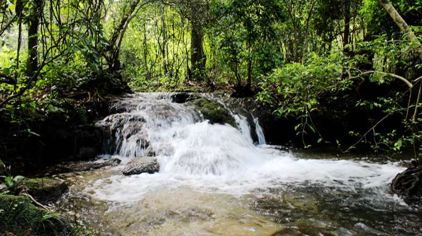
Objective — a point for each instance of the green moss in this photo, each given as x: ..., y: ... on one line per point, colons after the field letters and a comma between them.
x: 19, y: 216
x: 45, y: 189
x: 213, y: 111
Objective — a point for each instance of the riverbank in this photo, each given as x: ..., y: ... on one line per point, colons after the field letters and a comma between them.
x: 212, y: 177
x: 132, y: 129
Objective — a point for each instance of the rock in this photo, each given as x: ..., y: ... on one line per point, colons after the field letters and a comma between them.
x: 18, y: 216
x: 408, y: 184
x: 124, y: 126
x: 45, y: 190
x: 141, y: 165
x: 82, y: 142
x: 213, y: 111
x: 86, y: 153
x: 82, y: 166
x: 183, y: 97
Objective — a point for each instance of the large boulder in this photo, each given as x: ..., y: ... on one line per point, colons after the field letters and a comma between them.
x: 408, y: 184
x: 141, y: 165
x: 213, y: 111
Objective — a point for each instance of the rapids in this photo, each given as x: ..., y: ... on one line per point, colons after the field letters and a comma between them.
x: 215, y: 180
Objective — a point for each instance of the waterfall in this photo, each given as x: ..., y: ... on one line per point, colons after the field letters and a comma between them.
x: 192, y: 151
x: 259, y: 132
x: 244, y: 127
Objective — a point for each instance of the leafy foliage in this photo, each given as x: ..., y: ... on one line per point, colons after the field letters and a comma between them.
x: 293, y: 54
x: 19, y: 216
x: 295, y: 88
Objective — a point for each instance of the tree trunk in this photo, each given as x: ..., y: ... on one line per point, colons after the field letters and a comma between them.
x: 401, y: 23
x: 164, y: 46
x: 405, y: 28
x: 237, y: 75
x: 117, y: 36
x: 346, y: 32
x: 249, y: 81
x: 33, y: 24
x: 145, y: 54
x: 198, y: 59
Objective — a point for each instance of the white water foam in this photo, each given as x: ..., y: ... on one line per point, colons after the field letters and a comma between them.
x: 221, y: 158
x: 259, y: 132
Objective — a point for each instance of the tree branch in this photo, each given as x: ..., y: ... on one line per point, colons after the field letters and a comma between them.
x: 407, y: 82
x: 401, y: 23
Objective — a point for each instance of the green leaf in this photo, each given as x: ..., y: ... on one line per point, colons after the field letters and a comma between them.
x: 8, y: 181
x: 398, y: 145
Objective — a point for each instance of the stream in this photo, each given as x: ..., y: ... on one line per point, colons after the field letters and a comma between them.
x: 217, y: 180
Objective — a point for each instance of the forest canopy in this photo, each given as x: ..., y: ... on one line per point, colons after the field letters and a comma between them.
x: 299, y: 58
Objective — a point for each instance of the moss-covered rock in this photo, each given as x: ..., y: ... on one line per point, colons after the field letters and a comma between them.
x: 18, y: 216
x: 213, y: 111
x: 45, y: 190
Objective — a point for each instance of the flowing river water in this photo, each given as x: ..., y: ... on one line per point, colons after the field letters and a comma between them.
x: 215, y: 180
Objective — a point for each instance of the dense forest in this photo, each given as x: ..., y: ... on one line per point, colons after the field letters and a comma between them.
x: 343, y: 75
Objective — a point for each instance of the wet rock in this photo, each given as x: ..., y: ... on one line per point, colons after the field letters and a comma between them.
x: 198, y: 214
x: 45, y: 190
x: 75, y: 143
x: 252, y: 125
x: 364, y: 229
x: 86, y: 153
x: 82, y: 166
x: 408, y: 184
x: 120, y: 127
x: 213, y: 111
x: 117, y: 121
x: 135, y: 129
x: 303, y: 230
x: 286, y: 204
x: 141, y: 165
x: 183, y: 97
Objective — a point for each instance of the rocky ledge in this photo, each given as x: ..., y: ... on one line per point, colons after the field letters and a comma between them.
x: 79, y: 166
x: 213, y: 111
x: 408, y: 184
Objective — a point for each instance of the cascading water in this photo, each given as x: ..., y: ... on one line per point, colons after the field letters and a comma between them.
x: 214, y: 159
x: 259, y: 132
x: 191, y: 151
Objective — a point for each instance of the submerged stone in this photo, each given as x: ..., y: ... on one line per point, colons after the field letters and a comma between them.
x: 141, y: 165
